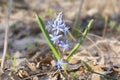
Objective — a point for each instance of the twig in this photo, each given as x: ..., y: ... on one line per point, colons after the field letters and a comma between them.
x: 6, y: 33
x: 76, y: 19
x: 78, y: 13
x: 105, y: 26
x: 94, y: 35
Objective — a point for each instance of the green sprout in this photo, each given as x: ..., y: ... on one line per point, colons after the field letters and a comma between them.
x: 46, y: 35
x: 58, y: 27
x: 80, y: 40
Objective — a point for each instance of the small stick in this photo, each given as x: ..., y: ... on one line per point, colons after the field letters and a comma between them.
x: 76, y: 19
x: 78, y: 13
x: 6, y: 33
x: 105, y: 26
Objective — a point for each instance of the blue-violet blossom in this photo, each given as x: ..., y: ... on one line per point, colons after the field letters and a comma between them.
x: 64, y: 45
x: 60, y: 64
x: 55, y: 38
x: 57, y: 29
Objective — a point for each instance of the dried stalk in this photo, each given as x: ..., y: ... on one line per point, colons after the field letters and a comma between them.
x: 78, y: 13
x: 6, y: 33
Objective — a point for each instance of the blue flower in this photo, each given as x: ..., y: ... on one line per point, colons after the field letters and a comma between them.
x: 48, y: 26
x: 59, y: 18
x: 59, y: 25
x: 55, y: 38
x: 59, y: 28
x: 61, y: 64
x: 64, y: 45
x: 65, y: 30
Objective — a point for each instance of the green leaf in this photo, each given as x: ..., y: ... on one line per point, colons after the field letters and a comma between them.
x: 46, y: 35
x: 80, y: 40
x: 87, y: 66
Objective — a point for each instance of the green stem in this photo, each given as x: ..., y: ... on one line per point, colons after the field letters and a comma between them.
x: 80, y: 41
x: 46, y: 35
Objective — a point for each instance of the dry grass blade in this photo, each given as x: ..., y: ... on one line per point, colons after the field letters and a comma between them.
x: 78, y: 13
x: 6, y: 33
